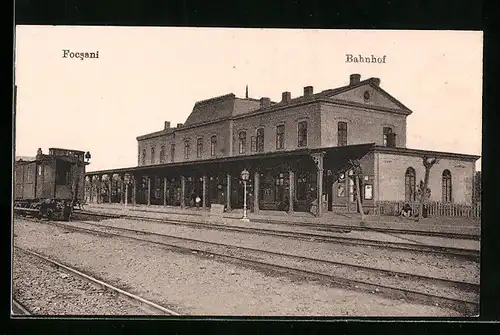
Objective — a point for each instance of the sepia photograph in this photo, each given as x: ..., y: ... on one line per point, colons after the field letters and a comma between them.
x: 168, y: 171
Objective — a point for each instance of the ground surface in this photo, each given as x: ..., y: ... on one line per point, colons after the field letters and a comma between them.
x: 195, y: 285
x: 435, y: 265
x: 45, y: 290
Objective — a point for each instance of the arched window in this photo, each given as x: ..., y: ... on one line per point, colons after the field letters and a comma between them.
x: 260, y: 140
x: 187, y: 148
x: 302, y: 134
x: 446, y: 185
x: 342, y: 134
x: 410, y: 185
x: 213, y: 145
x: 162, y: 154
x: 143, y: 156
x: 341, y: 186
x: 242, y: 137
x: 199, y: 147
x: 152, y: 155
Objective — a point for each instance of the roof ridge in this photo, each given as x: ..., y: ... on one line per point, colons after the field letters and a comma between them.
x: 220, y: 97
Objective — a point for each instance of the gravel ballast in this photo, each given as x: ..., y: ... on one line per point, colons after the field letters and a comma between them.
x: 337, y: 270
x: 195, y: 285
x: 434, y: 265
x: 45, y: 290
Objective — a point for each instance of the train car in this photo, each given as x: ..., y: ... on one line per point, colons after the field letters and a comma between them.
x: 49, y: 185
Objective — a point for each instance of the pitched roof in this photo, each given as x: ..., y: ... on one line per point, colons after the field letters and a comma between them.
x: 25, y: 158
x: 228, y: 105
x: 211, y: 109
x: 331, y: 93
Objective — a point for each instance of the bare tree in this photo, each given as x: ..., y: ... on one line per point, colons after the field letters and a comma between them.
x: 424, y: 191
x: 357, y: 174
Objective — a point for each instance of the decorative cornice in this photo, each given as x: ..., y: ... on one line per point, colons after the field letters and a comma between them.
x: 421, y: 153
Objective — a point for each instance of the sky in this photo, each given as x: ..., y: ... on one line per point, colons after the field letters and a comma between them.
x: 145, y: 76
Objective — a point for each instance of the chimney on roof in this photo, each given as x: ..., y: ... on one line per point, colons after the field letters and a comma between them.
x: 265, y: 102
x: 286, y: 97
x: 354, y: 78
x: 180, y: 125
x: 167, y: 125
x: 39, y: 152
x: 375, y: 81
x: 246, y: 92
x: 308, y: 91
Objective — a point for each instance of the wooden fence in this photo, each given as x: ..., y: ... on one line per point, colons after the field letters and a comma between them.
x: 434, y: 208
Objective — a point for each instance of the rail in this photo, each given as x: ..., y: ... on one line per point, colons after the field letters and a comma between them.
x: 463, y: 305
x: 139, y: 300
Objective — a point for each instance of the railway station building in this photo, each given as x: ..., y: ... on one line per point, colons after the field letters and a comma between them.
x: 297, y: 151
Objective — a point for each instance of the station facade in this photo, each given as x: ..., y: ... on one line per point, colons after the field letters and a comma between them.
x: 297, y: 150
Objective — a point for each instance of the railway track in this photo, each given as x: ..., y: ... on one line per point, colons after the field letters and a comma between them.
x: 336, y: 227
x: 340, y: 227
x: 18, y: 308
x: 145, y: 305
x: 412, y: 246
x: 396, y: 285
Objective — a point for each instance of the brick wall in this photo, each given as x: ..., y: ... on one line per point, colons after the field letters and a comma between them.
x: 390, y: 184
x: 269, y: 121
x: 221, y: 129
x: 363, y: 126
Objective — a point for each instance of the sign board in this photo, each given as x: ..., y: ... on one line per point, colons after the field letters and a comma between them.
x: 217, y: 209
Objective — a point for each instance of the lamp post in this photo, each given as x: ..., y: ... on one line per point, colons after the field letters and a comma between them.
x: 244, y: 176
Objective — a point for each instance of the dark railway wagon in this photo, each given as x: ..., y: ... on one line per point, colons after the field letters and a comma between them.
x: 48, y: 185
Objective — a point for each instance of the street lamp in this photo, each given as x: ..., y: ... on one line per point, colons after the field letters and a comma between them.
x: 244, y: 176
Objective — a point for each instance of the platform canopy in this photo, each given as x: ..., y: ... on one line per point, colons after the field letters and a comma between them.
x: 334, y: 158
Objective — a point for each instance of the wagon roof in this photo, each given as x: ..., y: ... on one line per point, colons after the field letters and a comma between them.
x: 20, y: 159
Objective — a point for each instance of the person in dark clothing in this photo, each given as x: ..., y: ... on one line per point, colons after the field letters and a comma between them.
x: 250, y: 201
x: 286, y: 204
x: 406, y: 211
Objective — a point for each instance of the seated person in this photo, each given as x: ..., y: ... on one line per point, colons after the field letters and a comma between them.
x: 406, y: 211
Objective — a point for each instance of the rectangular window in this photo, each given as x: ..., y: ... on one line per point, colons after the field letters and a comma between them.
x: 153, y: 155
x: 187, y: 148
x: 172, y: 152
x: 143, y: 156
x: 387, y: 134
x: 162, y: 154
x: 213, y: 145
x: 302, y: 134
x: 39, y: 167
x: 199, y: 147
x: 342, y: 134
x: 253, y: 141
x: 280, y: 136
x: 63, y: 170
x: 242, y: 142
x: 260, y: 140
